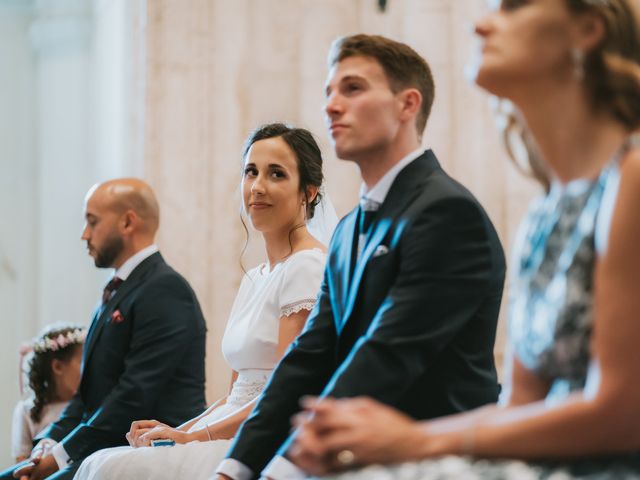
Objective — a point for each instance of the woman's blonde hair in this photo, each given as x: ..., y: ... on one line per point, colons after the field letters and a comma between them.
x: 611, y: 76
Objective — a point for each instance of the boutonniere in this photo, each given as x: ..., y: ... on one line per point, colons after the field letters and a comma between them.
x: 116, y: 317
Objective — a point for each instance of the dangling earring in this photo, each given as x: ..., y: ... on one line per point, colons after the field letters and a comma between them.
x: 577, y: 56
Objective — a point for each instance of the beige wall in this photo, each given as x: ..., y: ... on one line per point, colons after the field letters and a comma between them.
x: 214, y: 69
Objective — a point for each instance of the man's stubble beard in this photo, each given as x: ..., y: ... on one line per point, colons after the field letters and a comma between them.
x: 111, y: 249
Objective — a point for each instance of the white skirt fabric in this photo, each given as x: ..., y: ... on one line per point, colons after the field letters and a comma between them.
x: 613, y: 467
x: 195, y: 460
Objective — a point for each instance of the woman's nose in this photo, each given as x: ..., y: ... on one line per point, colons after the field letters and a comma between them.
x: 257, y: 186
x: 482, y: 26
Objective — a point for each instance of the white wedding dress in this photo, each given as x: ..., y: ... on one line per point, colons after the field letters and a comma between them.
x: 249, y: 346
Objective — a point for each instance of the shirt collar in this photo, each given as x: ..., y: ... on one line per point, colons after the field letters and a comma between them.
x: 134, y: 260
x: 379, y: 191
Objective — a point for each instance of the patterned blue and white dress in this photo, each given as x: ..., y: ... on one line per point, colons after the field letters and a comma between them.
x: 550, y: 325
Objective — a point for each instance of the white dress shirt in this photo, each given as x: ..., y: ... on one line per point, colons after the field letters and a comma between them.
x: 59, y: 453
x: 379, y: 191
x: 279, y: 468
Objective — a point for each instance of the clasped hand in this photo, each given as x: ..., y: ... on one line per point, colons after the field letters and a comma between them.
x: 369, y: 431
x: 142, y: 432
x: 41, y: 464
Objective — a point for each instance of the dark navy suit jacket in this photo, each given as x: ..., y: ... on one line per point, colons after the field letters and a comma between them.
x: 411, y: 323
x: 148, y: 365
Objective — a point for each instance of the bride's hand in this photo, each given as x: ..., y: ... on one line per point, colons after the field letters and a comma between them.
x: 164, y: 432
x: 139, y: 428
x: 338, y: 434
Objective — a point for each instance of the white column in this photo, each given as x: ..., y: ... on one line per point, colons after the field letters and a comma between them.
x: 18, y: 202
x: 118, y: 87
x: 68, y: 283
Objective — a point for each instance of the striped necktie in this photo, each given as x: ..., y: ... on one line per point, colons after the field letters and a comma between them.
x: 110, y: 289
x: 368, y: 209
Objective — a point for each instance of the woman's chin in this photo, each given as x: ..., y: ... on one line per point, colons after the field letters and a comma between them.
x: 496, y: 83
x: 486, y: 81
x: 259, y: 225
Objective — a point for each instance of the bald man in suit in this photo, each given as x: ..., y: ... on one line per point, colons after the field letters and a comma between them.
x: 144, y: 353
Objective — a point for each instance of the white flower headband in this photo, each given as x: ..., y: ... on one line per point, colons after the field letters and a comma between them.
x: 41, y: 345
x: 48, y: 344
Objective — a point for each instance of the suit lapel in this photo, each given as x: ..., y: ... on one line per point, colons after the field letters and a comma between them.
x: 90, y: 334
x: 403, y: 191
x: 104, y: 313
x: 347, y: 252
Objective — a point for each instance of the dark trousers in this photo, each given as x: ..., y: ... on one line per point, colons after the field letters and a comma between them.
x: 64, y: 474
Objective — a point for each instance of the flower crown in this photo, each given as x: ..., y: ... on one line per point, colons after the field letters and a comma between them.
x: 48, y: 344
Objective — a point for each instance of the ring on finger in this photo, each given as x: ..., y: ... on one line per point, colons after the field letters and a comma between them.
x: 345, y: 457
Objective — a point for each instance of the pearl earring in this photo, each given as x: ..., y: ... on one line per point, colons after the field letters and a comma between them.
x: 577, y: 56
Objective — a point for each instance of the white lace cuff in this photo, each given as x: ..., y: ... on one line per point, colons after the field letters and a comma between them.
x: 295, y: 307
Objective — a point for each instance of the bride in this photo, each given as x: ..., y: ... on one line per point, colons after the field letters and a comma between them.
x: 282, y: 175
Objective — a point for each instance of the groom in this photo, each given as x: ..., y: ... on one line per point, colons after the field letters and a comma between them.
x: 408, y: 307
x: 144, y: 353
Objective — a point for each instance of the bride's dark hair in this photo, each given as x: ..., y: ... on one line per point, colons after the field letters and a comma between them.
x: 308, y: 159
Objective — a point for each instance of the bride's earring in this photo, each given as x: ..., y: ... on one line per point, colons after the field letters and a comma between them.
x: 577, y: 57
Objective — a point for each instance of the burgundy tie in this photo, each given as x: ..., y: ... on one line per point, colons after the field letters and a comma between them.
x: 111, y: 287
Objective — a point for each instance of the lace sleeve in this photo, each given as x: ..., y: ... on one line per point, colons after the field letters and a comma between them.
x: 295, y: 307
x: 300, y: 282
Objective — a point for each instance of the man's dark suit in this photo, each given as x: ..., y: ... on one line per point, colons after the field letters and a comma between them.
x: 411, y: 323
x: 146, y: 363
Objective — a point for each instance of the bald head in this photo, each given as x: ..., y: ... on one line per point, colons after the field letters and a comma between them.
x: 122, y: 218
x: 122, y: 194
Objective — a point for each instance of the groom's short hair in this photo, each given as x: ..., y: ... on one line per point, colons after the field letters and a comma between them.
x: 402, y: 65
